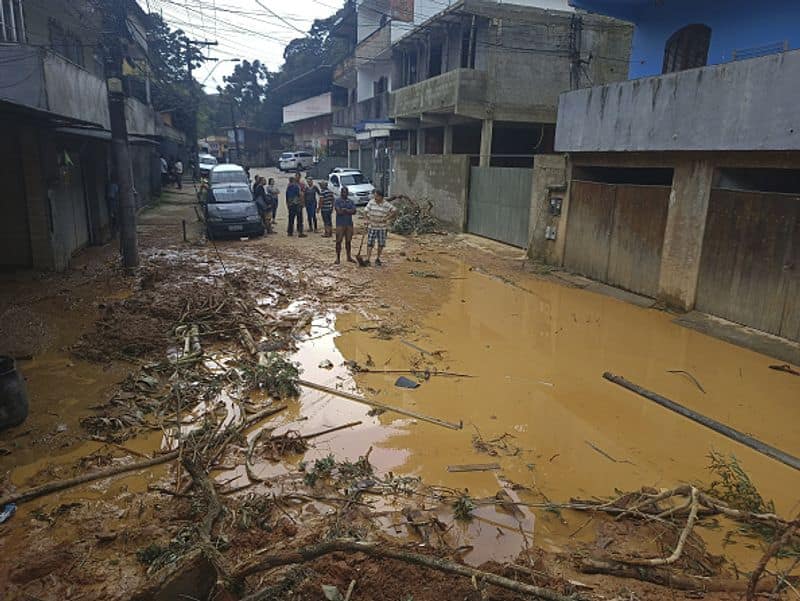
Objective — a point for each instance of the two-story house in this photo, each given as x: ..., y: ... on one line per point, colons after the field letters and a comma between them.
x: 684, y: 182
x: 55, y: 121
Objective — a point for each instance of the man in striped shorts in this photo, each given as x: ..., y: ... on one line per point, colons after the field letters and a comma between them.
x: 379, y: 216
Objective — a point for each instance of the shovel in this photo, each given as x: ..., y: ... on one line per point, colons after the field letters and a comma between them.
x: 362, y: 262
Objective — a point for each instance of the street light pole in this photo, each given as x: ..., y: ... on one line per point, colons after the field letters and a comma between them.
x: 235, y: 135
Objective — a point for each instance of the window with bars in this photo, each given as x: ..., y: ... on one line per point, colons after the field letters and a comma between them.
x: 687, y: 48
x: 12, y: 22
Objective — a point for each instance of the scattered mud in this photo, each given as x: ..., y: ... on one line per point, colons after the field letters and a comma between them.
x: 125, y: 367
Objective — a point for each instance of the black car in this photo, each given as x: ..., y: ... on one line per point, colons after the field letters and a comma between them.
x: 230, y: 208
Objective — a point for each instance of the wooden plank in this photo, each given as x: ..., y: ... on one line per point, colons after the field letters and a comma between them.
x: 474, y: 467
x: 589, y: 226
x: 640, y: 218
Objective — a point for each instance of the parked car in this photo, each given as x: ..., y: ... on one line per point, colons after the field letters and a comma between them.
x: 295, y: 161
x: 229, y: 207
x: 206, y: 162
x: 359, y: 188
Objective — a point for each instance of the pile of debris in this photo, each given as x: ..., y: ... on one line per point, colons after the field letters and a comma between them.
x: 414, y: 217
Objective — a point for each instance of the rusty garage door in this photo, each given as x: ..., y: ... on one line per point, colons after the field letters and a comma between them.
x: 615, y: 233
x: 750, y: 266
x: 500, y: 203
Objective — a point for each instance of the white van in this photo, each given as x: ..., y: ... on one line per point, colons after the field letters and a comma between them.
x: 295, y: 161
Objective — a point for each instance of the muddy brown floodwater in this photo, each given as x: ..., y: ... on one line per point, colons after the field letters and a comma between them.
x: 537, y: 351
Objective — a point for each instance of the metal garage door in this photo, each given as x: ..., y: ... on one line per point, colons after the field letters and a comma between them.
x: 500, y: 203
x: 750, y: 266
x: 615, y: 233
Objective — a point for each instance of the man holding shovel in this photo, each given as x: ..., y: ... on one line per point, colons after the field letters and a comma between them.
x: 345, y: 209
x: 379, y: 215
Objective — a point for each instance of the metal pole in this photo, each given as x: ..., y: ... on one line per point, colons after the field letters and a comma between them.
x: 235, y: 136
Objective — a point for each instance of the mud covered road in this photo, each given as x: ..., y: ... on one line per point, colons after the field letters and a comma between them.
x: 513, y: 352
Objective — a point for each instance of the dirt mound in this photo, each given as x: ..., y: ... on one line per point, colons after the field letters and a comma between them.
x: 23, y: 332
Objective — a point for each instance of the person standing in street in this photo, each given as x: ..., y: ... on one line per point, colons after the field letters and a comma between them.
x: 310, y: 194
x: 294, y: 202
x: 164, y: 172
x: 178, y: 174
x: 260, y: 197
x: 272, y: 194
x: 379, y: 215
x: 326, y: 208
x: 345, y: 209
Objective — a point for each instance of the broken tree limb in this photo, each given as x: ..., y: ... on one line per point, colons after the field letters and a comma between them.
x: 247, y: 339
x: 474, y: 467
x: 266, y: 562
x: 358, y: 399
x: 665, y: 577
x: 51, y: 487
x: 772, y: 550
x: 687, y: 529
x: 713, y: 424
x: 330, y: 430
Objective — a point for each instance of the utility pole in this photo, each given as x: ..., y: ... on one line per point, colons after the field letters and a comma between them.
x: 118, y: 31
x: 193, y: 100
x: 235, y: 136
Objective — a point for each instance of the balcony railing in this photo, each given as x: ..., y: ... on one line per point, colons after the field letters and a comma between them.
x: 742, y: 105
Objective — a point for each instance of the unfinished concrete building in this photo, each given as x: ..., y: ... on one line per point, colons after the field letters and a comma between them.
x: 483, y: 78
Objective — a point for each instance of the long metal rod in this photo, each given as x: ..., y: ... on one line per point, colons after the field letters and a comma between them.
x: 748, y: 441
x: 358, y: 399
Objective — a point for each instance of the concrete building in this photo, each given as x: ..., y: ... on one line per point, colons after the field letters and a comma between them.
x: 55, y: 121
x: 684, y: 183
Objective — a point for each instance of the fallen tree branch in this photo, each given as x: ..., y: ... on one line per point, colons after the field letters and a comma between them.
x: 382, y: 551
x: 665, y: 577
x: 358, y: 399
x: 687, y: 529
x: 51, y: 487
x: 776, y: 546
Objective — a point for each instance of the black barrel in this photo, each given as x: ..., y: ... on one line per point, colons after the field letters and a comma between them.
x: 13, y: 396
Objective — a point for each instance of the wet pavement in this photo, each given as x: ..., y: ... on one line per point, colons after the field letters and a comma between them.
x: 535, y: 349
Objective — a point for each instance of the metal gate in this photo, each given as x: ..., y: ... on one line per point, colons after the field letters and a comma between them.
x: 615, y: 233
x: 750, y: 265
x: 500, y: 203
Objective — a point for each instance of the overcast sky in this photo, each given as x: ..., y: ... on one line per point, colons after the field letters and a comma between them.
x: 243, y: 28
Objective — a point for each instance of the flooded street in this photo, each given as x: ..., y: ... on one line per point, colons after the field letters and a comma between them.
x: 514, y: 356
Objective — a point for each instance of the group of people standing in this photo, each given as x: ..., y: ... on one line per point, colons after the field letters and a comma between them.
x: 171, y: 171
x: 314, y: 199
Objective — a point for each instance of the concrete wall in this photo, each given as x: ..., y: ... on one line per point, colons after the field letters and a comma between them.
x: 462, y: 89
x: 441, y: 179
x: 308, y: 108
x: 549, y: 182
x: 741, y: 24
x: 746, y: 105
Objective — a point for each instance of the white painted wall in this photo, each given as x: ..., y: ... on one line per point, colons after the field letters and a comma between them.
x: 307, y: 108
x: 369, y: 73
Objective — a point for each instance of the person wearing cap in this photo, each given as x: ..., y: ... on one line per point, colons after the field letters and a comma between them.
x: 379, y: 216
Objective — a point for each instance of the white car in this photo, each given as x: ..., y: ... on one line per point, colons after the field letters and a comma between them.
x: 359, y: 188
x: 206, y: 163
x: 295, y: 161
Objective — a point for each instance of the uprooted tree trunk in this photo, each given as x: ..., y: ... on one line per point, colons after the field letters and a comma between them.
x: 267, y: 562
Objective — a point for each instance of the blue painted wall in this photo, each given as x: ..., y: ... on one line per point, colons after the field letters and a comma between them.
x: 735, y: 25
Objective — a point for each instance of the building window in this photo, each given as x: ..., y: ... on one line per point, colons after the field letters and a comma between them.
x: 12, y: 21
x: 65, y: 43
x: 687, y: 48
